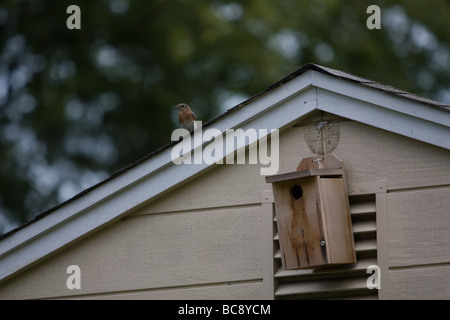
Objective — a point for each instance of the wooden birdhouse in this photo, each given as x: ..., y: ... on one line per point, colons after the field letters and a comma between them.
x: 313, y: 214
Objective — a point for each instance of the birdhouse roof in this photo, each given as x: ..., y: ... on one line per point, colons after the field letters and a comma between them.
x: 309, y: 89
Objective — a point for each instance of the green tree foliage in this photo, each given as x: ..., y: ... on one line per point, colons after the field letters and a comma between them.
x: 76, y: 105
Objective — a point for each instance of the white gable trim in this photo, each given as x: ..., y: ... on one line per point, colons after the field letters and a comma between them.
x: 276, y: 109
x: 387, y: 119
x: 385, y: 111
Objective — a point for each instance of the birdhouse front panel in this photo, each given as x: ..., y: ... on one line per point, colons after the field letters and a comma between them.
x: 300, y: 227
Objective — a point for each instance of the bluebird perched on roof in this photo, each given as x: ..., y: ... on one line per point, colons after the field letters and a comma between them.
x: 186, y: 117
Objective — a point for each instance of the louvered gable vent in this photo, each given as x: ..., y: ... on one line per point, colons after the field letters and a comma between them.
x: 345, y: 282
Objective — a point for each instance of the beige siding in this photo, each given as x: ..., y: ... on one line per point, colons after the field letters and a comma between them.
x: 371, y: 154
x: 228, y: 291
x: 207, y: 238
x: 420, y: 283
x: 226, y: 185
x: 196, y: 248
x: 419, y: 227
x: 419, y: 234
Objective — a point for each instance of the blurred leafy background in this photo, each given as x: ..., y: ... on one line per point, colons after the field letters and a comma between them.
x: 76, y: 105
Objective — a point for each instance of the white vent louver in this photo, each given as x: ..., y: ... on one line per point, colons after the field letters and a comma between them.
x: 335, y: 282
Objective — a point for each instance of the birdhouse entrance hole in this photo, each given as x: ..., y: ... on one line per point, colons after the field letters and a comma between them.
x: 297, y: 192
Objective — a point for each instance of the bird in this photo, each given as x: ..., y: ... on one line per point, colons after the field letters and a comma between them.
x: 186, y: 117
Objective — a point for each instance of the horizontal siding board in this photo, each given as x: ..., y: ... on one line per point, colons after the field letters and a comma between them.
x: 226, y: 185
x: 154, y: 251
x: 432, y: 282
x: 226, y: 291
x: 419, y: 224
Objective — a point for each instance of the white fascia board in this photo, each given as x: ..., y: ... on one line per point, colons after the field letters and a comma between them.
x: 390, y: 101
x: 389, y: 119
x: 115, y: 198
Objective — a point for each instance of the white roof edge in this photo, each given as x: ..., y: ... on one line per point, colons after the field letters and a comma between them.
x: 275, y: 109
x: 384, y: 118
x: 392, y: 102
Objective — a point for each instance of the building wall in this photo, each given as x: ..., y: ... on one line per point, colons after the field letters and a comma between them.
x: 209, y: 238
